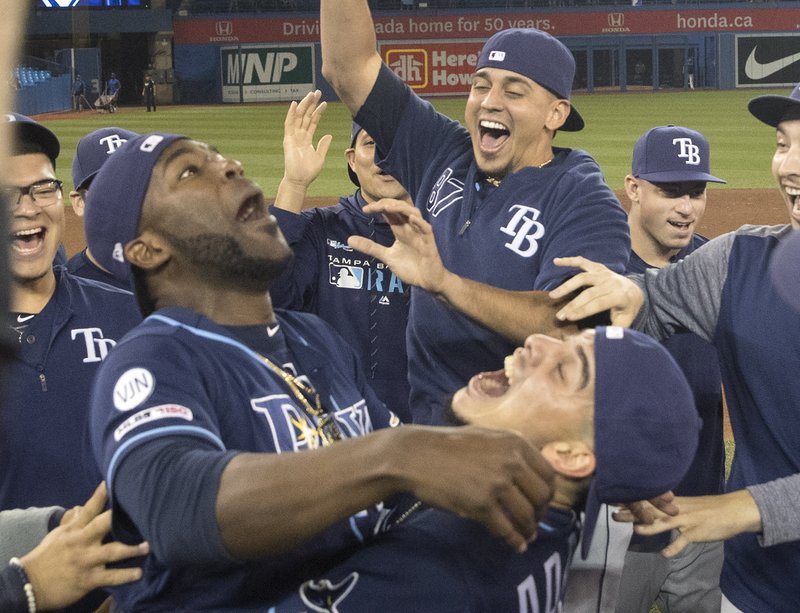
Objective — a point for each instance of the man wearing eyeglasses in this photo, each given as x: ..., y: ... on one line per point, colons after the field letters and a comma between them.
x: 64, y: 325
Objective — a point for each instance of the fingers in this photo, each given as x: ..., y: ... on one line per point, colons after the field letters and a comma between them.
x: 116, y: 576
x: 364, y: 245
x: 324, y: 145
x: 676, y: 546
x: 391, y: 206
x: 116, y: 551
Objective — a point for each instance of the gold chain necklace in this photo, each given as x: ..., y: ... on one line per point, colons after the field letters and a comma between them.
x: 496, y: 182
x: 326, y: 426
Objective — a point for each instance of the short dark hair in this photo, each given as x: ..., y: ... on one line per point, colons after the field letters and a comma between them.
x: 22, y: 146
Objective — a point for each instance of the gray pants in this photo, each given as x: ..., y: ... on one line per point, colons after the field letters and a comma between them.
x: 687, y: 583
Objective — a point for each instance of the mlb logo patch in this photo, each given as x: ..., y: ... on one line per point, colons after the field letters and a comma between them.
x: 497, y: 56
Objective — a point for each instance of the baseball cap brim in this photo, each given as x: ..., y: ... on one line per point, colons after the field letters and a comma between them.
x: 679, y: 176
x: 772, y: 109
x: 29, y: 130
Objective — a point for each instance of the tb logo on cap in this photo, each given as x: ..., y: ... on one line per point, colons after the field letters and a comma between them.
x: 689, y: 150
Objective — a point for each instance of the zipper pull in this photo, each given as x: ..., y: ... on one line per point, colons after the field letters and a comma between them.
x: 464, y: 227
x: 43, y: 381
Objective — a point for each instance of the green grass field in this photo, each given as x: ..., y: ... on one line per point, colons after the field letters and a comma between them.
x: 740, y: 145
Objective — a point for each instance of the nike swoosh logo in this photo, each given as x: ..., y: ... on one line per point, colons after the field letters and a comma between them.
x: 23, y: 318
x: 756, y: 70
x: 273, y: 330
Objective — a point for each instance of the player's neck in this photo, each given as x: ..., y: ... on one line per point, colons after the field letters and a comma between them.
x: 31, y: 296
x: 649, y: 250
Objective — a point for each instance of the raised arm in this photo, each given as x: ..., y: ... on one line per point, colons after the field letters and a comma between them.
x: 302, y: 162
x: 414, y: 258
x: 350, y: 61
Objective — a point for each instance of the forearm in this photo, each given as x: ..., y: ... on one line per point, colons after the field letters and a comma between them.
x: 291, y: 196
x: 513, y: 314
x: 779, y: 505
x: 270, y: 503
x: 350, y: 61
x: 22, y: 529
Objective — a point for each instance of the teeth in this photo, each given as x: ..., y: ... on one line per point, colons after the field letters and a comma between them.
x: 493, y: 125
x: 508, y: 366
x: 792, y: 191
x: 28, y: 232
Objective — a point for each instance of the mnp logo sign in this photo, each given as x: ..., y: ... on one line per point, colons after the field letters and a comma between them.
x: 257, y: 73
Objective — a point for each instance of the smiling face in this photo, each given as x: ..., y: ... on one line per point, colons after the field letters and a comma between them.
x: 35, y: 231
x: 512, y: 121
x: 214, y: 218
x: 546, y: 391
x: 375, y: 184
x: 663, y: 216
x: 786, y: 166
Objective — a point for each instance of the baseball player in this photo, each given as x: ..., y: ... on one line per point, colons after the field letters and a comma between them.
x: 198, y: 416
x: 608, y: 402
x: 64, y: 327
x: 667, y: 191
x: 370, y: 311
x: 92, y: 151
x: 723, y: 293
x: 503, y: 202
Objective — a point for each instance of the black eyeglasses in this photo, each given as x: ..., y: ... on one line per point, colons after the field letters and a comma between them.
x: 43, y: 193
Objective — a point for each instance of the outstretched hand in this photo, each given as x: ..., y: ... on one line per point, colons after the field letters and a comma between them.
x: 702, y: 519
x: 414, y: 256
x: 302, y: 161
x: 603, y: 290
x: 71, y: 560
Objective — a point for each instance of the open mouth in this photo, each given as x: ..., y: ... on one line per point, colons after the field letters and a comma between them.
x: 492, y: 134
x: 681, y: 225
x: 496, y: 383
x: 28, y: 241
x: 252, y: 208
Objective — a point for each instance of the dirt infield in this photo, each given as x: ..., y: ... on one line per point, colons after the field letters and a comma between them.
x: 727, y: 209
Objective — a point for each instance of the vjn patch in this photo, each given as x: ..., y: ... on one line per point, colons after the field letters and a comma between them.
x: 133, y: 388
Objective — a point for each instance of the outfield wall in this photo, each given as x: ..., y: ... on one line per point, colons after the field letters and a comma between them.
x: 223, y: 59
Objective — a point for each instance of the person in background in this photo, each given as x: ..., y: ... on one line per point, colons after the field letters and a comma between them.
x: 149, y: 93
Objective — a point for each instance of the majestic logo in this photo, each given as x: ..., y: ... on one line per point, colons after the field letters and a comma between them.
x: 689, y: 151
x: 113, y: 142
x: 616, y: 20
x: 756, y: 70
x: 223, y: 28
x: 133, y: 388
x: 525, y: 229
x: 324, y: 596
x: 96, y: 346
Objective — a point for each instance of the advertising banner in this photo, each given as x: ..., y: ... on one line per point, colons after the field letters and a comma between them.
x: 433, y: 68
x: 768, y: 60
x: 480, y: 26
x: 262, y: 73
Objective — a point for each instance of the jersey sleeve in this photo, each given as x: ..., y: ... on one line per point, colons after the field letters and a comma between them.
x: 778, y: 502
x: 149, y: 387
x: 295, y: 287
x: 686, y: 295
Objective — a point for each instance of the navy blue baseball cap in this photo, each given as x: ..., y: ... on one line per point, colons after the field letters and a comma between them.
x: 668, y: 154
x: 773, y: 109
x: 114, y: 204
x: 25, y: 129
x: 538, y: 56
x: 785, y: 269
x: 354, y: 130
x: 93, y: 150
x: 646, y: 426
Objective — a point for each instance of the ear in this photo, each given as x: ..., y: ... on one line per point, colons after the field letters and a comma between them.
x: 558, y: 114
x: 350, y: 155
x: 570, y: 458
x: 632, y: 188
x: 76, y: 200
x: 148, y: 251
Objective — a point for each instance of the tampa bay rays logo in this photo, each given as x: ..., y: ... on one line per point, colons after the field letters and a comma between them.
x: 688, y: 150
x: 445, y: 193
x: 525, y: 229
x: 324, y: 596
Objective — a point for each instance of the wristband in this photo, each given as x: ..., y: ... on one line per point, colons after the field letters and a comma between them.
x: 26, y: 583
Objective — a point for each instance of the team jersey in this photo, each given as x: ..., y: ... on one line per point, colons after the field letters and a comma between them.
x: 504, y: 236
x: 436, y: 561
x: 723, y: 293
x: 179, y: 376
x: 699, y: 361
x: 47, y: 460
x: 357, y: 294
x: 81, y: 266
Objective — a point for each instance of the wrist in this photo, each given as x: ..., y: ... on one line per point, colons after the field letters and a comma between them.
x: 27, y: 586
